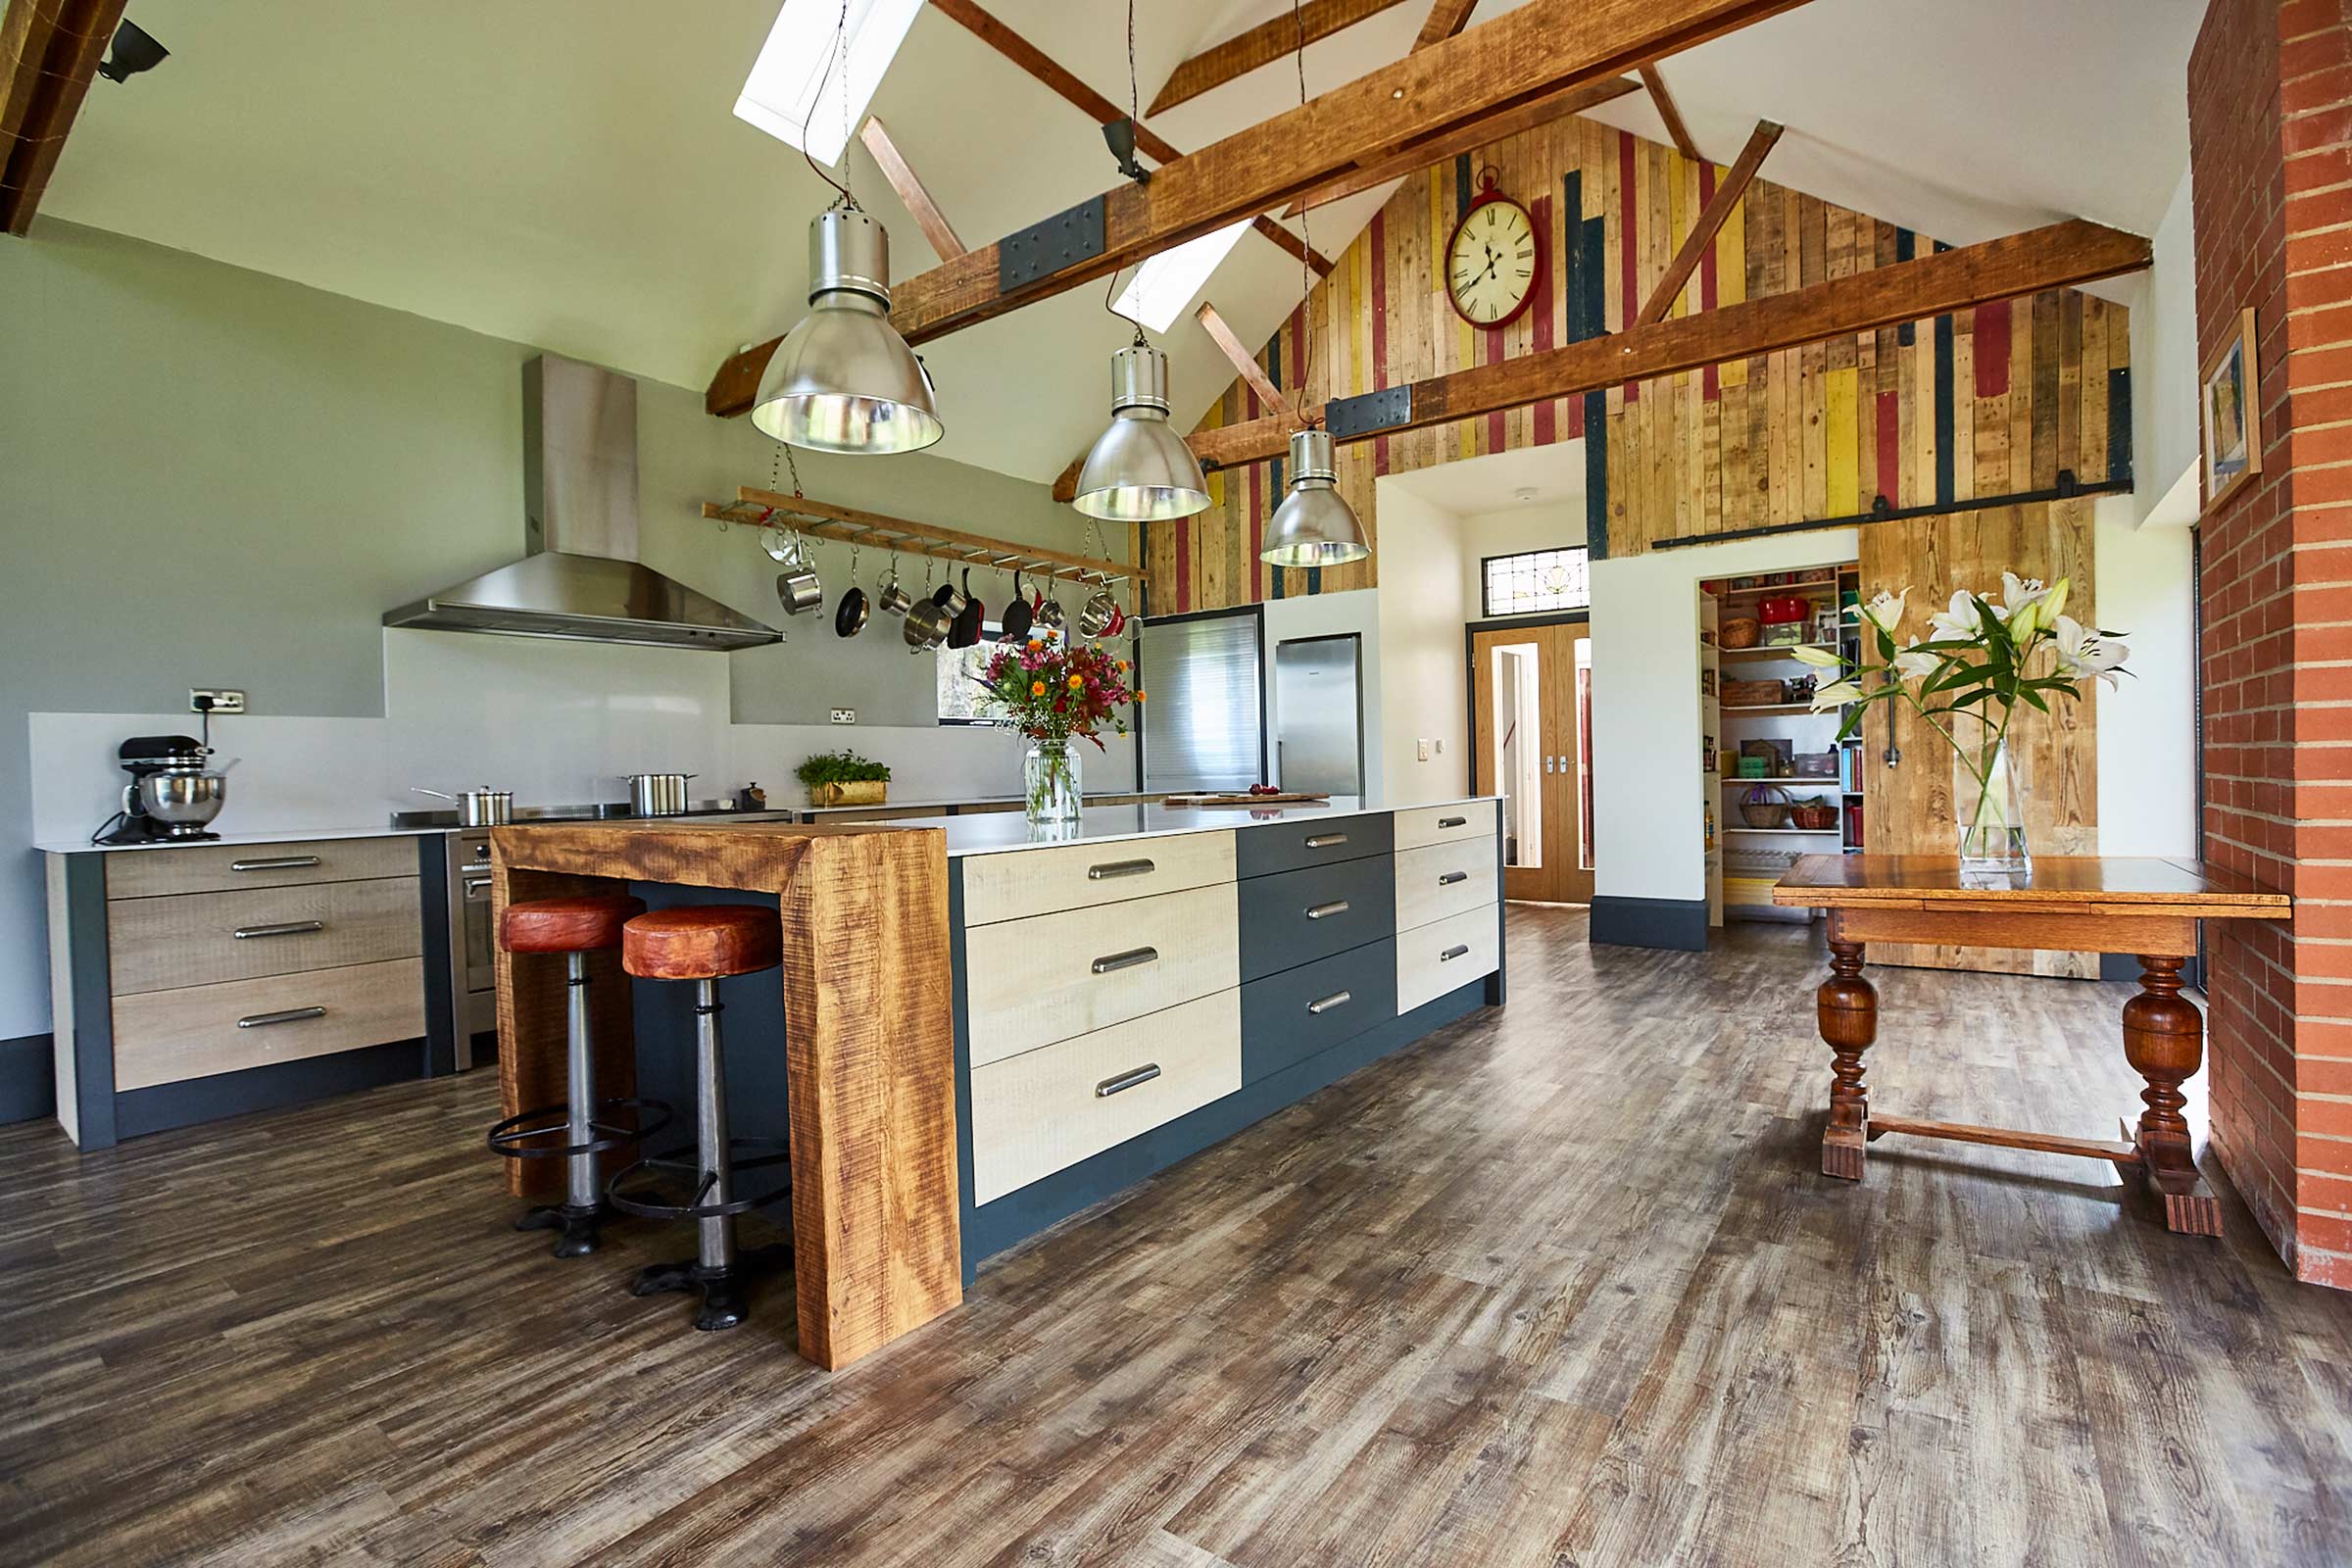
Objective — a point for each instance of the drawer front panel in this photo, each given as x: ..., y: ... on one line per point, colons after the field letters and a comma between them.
x: 1029, y: 983
x: 167, y: 1036
x: 1439, y: 881
x: 1295, y: 918
x: 218, y: 868
x: 1290, y: 846
x: 1431, y: 960
x: 1445, y: 825
x: 1291, y: 1016
x: 1022, y: 883
x: 1035, y: 1113
x: 159, y: 944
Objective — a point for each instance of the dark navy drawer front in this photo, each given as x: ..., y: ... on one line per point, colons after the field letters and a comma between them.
x: 1263, y: 850
x: 1293, y: 1015
x: 1295, y: 918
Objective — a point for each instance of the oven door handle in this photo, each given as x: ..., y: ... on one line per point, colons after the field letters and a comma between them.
x: 477, y: 890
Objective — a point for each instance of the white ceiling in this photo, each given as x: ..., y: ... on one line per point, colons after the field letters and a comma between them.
x: 565, y: 174
x: 1500, y: 481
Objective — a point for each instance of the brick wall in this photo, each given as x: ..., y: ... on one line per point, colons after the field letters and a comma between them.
x: 2269, y: 101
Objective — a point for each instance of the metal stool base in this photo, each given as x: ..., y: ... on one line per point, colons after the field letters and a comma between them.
x: 580, y: 1226
x: 727, y: 1302
x: 651, y: 1203
x: 507, y: 1138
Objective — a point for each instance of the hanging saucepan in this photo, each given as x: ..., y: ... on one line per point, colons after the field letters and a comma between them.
x: 927, y: 625
x: 798, y: 589
x: 1100, y: 611
x: 896, y: 600
x: 966, y: 633
x: 1050, y: 615
x: 849, y: 616
x: 1013, y: 624
x: 950, y: 598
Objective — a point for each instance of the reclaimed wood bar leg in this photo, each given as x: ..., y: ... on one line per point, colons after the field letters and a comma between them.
x: 1848, y: 1006
x: 870, y: 1060
x: 2163, y: 1039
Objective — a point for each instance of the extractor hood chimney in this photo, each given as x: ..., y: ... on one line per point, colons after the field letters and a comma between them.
x: 580, y: 577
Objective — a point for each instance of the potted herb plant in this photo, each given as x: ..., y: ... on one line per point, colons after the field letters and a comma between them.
x: 844, y: 778
x: 1057, y: 694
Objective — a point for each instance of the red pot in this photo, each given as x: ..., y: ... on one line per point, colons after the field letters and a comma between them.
x: 1779, y: 611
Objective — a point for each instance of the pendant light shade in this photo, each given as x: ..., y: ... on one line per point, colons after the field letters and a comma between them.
x: 1139, y: 469
x: 843, y: 380
x: 1313, y: 526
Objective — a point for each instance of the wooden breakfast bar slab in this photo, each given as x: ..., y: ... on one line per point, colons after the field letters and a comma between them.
x: 870, y: 1040
x: 2144, y: 907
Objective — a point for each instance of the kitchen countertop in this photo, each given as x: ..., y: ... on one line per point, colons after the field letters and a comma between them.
x: 233, y: 840
x: 945, y: 800
x: 1097, y: 825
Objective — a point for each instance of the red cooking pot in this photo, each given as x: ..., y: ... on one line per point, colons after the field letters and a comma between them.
x: 1778, y: 611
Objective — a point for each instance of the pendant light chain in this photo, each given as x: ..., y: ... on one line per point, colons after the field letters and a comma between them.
x: 1110, y: 290
x: 1306, y: 244
x: 844, y: 197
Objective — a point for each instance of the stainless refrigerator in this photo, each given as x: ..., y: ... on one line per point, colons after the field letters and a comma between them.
x: 1318, y: 715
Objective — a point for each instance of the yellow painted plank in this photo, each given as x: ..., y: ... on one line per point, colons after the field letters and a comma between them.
x: 1842, y: 494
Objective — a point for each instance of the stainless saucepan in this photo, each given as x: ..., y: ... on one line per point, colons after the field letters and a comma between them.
x: 657, y: 794
x: 482, y: 808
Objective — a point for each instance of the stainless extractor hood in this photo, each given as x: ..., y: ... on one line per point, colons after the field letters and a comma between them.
x: 580, y: 577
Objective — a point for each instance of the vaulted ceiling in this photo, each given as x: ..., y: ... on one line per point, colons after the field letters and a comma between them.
x: 568, y: 174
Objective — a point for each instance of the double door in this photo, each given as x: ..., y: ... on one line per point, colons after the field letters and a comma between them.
x: 1531, y: 689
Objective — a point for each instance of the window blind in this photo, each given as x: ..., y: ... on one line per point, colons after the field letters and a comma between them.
x: 1202, y: 724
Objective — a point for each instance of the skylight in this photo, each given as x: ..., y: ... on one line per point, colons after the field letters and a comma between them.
x: 780, y: 96
x: 1167, y: 283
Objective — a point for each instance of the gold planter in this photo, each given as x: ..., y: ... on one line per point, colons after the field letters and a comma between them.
x: 862, y: 792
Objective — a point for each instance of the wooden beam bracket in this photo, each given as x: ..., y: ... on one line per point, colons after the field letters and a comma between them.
x: 1043, y: 249
x: 1369, y: 413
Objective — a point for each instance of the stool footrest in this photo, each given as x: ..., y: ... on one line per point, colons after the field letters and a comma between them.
x: 652, y: 1204
x: 508, y: 1137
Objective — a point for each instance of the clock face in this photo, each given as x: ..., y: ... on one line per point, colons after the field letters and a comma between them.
x: 1491, y: 267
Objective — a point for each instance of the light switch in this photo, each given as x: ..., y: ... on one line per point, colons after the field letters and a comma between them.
x: 1421, y: 751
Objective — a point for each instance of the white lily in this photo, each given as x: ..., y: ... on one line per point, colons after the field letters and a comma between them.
x: 2017, y: 593
x: 1885, y: 611
x: 2025, y: 620
x: 2055, y: 600
x: 1835, y: 695
x: 2084, y: 655
x: 1818, y: 657
x: 1912, y: 665
x: 1957, y: 623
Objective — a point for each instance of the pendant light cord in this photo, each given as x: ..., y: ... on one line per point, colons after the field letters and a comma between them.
x: 1307, y: 246
x: 844, y: 198
x: 1110, y: 292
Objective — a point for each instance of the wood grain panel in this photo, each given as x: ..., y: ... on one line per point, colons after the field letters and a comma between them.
x: 1439, y: 881
x: 1431, y: 960
x: 213, y: 867
x: 167, y: 1036
x: 1028, y: 983
x: 1016, y: 885
x: 156, y: 944
x: 1445, y: 825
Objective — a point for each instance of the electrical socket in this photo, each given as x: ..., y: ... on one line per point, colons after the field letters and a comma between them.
x: 224, y: 699
x: 845, y: 715
x: 1421, y: 751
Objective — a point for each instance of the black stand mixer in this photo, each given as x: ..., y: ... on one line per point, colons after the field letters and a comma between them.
x: 173, y: 791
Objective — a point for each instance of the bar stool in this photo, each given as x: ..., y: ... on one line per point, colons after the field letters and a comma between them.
x: 585, y: 1125
x: 705, y: 943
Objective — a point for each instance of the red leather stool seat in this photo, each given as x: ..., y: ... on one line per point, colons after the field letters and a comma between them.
x: 703, y: 942
x: 587, y: 924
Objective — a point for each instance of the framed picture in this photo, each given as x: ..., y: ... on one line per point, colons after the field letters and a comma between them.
x: 2232, y: 424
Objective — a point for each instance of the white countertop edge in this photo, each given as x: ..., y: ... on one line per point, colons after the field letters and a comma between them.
x: 1109, y: 824
x: 230, y: 841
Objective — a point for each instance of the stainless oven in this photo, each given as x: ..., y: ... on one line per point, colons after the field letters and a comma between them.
x: 472, y: 944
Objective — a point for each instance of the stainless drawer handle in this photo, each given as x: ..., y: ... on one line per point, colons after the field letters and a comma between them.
x: 1453, y: 953
x: 1338, y: 999
x: 260, y: 1021
x: 1452, y: 877
x: 1111, y: 868
x: 276, y: 862
x: 1454, y: 821
x: 1325, y: 910
x: 1127, y: 1080
x: 284, y: 928
x: 1324, y: 841
x: 1126, y: 960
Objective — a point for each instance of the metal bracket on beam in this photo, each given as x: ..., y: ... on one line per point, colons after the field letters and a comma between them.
x: 1043, y: 249
x: 1385, y: 409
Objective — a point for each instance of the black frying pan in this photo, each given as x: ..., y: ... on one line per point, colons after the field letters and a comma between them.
x: 1015, y: 619
x: 966, y: 630
x: 849, y: 618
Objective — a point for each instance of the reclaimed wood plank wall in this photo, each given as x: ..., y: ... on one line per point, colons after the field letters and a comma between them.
x: 1991, y: 401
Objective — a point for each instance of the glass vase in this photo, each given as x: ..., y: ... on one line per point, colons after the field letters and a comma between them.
x: 1051, y: 774
x: 1991, y: 816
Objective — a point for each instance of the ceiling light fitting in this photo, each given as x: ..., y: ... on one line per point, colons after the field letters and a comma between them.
x: 134, y: 51
x: 1313, y: 526
x: 1139, y: 468
x: 1119, y: 136
x: 843, y: 380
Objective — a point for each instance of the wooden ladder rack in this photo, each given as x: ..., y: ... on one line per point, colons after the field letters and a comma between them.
x: 755, y: 508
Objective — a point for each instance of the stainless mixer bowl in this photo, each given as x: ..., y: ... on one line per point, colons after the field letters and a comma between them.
x: 183, y: 800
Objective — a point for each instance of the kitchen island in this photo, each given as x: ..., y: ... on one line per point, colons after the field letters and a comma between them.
x: 985, y: 1033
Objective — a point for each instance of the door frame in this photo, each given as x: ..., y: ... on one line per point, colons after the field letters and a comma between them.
x: 1503, y: 623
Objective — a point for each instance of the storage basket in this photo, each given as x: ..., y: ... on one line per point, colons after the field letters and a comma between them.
x: 1813, y: 813
x: 1750, y: 692
x: 1764, y: 807
x: 1741, y: 631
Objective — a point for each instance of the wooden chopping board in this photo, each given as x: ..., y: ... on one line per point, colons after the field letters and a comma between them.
x: 1289, y: 799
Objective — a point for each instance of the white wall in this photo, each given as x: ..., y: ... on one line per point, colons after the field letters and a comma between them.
x: 2147, y: 726
x: 1326, y: 615
x: 1549, y: 525
x: 2164, y: 369
x: 1422, y: 612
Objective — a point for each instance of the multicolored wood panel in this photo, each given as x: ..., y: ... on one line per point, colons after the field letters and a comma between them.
x: 1987, y: 402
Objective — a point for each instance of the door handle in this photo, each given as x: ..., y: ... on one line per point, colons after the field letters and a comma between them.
x: 1127, y: 1080
x: 284, y: 928
x: 1546, y: 762
x: 1125, y: 960
x: 1338, y: 999
x: 1325, y: 841
x: 1324, y: 911
x: 261, y: 1020
x: 1453, y: 953
x: 478, y: 889
x: 1109, y: 869
x: 277, y: 863
x: 1454, y: 821
x: 1452, y: 877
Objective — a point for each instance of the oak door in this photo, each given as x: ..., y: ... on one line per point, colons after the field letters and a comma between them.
x: 1531, y: 736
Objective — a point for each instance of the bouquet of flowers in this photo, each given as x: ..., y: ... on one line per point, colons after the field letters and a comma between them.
x: 1053, y: 691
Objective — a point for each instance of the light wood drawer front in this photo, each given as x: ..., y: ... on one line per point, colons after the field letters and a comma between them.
x: 1037, y: 1113
x: 1020, y: 883
x: 167, y: 1037
x: 1028, y: 983
x: 1444, y: 824
x: 216, y: 867
x: 1438, y: 881
x: 1433, y: 959
x: 158, y: 944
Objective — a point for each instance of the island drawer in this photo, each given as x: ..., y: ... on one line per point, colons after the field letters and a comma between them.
x: 1445, y: 825
x: 1028, y: 983
x: 1042, y: 1110
x: 204, y: 938
x: 1433, y: 959
x: 1295, y: 918
x: 1438, y: 881
x: 216, y: 867
x: 1290, y: 1016
x: 1020, y: 883
x: 1276, y: 847
x: 167, y: 1037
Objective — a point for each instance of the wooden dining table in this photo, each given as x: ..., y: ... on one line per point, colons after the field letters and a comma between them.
x: 2145, y: 907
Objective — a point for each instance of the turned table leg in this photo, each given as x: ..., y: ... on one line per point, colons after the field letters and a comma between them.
x: 1849, y: 1005
x: 2164, y: 1040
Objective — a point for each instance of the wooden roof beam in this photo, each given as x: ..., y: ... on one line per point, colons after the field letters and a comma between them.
x: 1238, y: 354
x: 911, y: 194
x: 1676, y: 131
x: 1446, y: 19
x: 1543, y: 47
x: 1262, y: 45
x: 2060, y: 256
x: 1711, y: 220
x: 49, y: 55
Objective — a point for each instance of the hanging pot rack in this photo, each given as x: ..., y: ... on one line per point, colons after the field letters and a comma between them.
x: 755, y: 508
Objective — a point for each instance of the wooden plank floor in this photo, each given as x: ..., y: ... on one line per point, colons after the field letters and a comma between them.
x: 1559, y: 1286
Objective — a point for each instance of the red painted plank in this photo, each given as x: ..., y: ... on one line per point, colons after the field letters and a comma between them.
x: 1993, y: 349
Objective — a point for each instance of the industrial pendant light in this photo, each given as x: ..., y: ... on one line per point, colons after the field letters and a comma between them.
x: 843, y: 380
x: 1313, y: 526
x: 1139, y: 468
